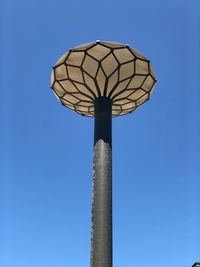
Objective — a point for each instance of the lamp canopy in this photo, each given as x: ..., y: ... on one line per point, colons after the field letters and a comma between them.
x: 102, y: 70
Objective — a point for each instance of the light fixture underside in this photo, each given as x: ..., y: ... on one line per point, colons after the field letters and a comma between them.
x: 102, y: 69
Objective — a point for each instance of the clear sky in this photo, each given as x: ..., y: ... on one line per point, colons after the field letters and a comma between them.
x: 46, y: 149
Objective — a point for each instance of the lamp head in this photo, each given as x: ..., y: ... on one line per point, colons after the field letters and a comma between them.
x: 103, y: 70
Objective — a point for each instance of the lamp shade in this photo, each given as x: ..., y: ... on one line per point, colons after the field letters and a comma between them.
x: 102, y: 69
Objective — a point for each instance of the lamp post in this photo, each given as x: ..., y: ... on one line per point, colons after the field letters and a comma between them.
x: 196, y: 264
x: 102, y: 80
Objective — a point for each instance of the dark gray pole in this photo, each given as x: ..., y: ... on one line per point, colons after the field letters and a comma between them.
x: 101, y: 231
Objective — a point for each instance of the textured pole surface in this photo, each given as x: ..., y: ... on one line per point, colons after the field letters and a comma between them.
x: 101, y: 232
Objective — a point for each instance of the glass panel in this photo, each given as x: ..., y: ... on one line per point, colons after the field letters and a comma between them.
x: 152, y: 72
x: 52, y: 77
x: 75, y: 58
x: 137, y: 94
x: 112, y: 81
x: 85, y: 104
x: 83, y: 89
x: 62, y: 59
x: 148, y: 84
x: 109, y: 64
x: 150, y: 93
x: 90, y: 83
x: 121, y: 86
x: 81, y: 96
x: 115, y: 113
x: 142, y: 100
x: 101, y: 80
x: 116, y: 107
x: 126, y: 111
x: 71, y: 99
x: 129, y: 105
x: 136, y: 81
x: 68, y: 86
x: 84, y: 46
x: 99, y: 51
x: 122, y: 101
x: 137, y: 53
x: 83, y: 113
x: 112, y: 45
x: 124, y: 94
x: 66, y: 103
x: 58, y: 89
x: 126, y: 70
x: 75, y: 74
x: 56, y: 96
x: 123, y: 55
x: 84, y: 109
x: 141, y: 67
x: 61, y: 72
x: 91, y: 112
x: 130, y: 110
x: 90, y: 66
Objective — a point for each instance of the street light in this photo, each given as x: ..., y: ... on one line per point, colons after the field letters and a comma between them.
x: 196, y: 264
x: 102, y: 80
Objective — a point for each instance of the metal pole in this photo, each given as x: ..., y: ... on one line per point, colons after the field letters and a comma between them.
x: 101, y: 230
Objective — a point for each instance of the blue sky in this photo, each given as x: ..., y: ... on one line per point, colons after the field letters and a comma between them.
x: 46, y: 149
